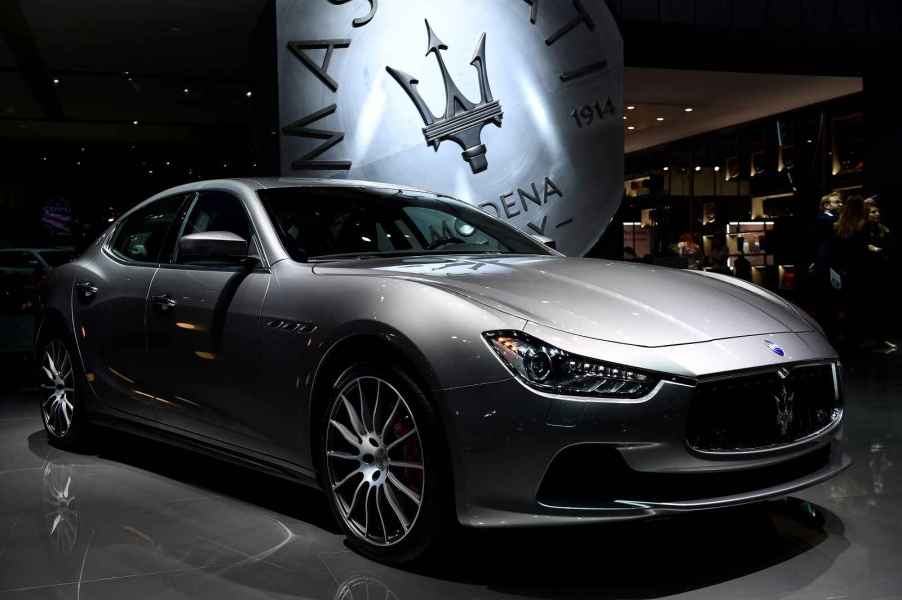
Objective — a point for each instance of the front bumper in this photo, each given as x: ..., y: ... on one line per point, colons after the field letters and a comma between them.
x: 505, y: 437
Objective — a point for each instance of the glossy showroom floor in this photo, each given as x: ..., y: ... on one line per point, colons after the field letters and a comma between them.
x: 137, y: 520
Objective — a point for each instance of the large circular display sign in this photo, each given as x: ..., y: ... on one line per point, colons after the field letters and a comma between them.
x: 514, y: 106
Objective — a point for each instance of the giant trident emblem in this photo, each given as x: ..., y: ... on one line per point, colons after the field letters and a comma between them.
x: 463, y: 120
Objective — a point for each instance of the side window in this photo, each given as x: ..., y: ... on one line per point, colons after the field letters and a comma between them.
x: 142, y: 235
x: 215, y: 211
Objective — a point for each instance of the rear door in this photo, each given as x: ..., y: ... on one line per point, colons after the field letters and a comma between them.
x: 110, y: 299
x: 204, y: 329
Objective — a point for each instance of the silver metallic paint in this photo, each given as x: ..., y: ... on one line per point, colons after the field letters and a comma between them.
x: 255, y: 400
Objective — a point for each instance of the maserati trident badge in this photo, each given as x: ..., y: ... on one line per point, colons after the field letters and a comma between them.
x: 775, y: 348
x: 535, y: 138
x: 785, y: 400
x: 463, y: 120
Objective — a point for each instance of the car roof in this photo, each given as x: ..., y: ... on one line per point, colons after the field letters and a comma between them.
x: 268, y: 183
x: 290, y: 182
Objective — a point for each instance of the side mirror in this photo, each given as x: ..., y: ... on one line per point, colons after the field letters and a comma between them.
x: 213, y: 246
x: 544, y: 240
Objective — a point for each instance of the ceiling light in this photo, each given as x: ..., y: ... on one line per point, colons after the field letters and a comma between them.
x: 624, y: 117
x: 249, y: 94
x: 631, y: 128
x: 659, y: 119
x: 134, y: 122
x: 186, y: 91
x: 717, y: 169
x: 666, y: 168
x: 697, y: 169
x: 56, y: 81
x: 688, y: 109
x: 630, y: 107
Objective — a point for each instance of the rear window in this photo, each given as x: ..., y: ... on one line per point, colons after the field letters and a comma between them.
x: 143, y: 233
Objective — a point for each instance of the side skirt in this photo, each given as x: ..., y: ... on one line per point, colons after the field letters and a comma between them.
x: 264, y: 464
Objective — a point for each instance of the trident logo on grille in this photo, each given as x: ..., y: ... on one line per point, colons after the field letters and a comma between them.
x: 785, y: 399
x: 463, y: 120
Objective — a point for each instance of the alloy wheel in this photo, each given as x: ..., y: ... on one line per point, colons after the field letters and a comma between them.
x: 374, y: 458
x: 58, y: 408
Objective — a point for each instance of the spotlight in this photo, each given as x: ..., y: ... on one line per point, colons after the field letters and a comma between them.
x: 666, y: 168
x: 688, y: 109
x: 134, y: 122
x: 717, y: 169
x: 697, y: 169
x: 659, y: 119
x: 631, y: 128
x: 249, y: 94
x: 56, y: 81
x: 630, y: 107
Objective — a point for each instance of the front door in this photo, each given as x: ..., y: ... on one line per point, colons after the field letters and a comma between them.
x: 204, y: 329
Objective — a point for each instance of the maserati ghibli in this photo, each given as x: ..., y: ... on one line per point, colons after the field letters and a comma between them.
x: 427, y: 365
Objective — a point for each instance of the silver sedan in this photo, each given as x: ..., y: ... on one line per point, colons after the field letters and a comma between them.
x: 426, y: 364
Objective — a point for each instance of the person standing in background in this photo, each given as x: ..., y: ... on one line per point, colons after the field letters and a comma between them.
x: 879, y: 264
x: 822, y: 296
x: 849, y: 255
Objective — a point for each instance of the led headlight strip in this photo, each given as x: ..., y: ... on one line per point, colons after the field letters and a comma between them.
x: 550, y: 369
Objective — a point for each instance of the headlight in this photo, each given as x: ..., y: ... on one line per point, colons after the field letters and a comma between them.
x: 557, y: 371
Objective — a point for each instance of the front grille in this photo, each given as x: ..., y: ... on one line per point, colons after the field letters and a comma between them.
x: 763, y: 410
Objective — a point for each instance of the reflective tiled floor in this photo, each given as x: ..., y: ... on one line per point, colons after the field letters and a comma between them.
x: 139, y: 520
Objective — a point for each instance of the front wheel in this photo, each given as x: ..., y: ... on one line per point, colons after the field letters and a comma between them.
x: 380, y: 463
x: 61, y: 407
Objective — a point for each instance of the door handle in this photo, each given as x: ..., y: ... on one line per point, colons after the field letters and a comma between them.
x: 86, y: 289
x: 163, y: 302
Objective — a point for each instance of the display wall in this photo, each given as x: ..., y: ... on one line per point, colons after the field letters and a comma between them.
x: 513, y: 106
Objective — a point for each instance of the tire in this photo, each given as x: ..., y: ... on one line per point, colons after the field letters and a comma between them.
x: 62, y: 391
x: 381, y: 464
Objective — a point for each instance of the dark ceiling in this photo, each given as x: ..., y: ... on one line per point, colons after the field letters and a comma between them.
x: 87, y: 71
x: 94, y: 67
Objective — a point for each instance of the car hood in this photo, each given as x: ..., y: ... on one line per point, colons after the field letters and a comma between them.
x: 621, y: 302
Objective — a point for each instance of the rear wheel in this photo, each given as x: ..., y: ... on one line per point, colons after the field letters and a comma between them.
x: 61, y: 407
x: 379, y: 463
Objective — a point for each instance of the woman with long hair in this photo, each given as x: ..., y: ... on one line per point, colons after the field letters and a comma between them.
x: 853, y: 218
x: 849, y: 271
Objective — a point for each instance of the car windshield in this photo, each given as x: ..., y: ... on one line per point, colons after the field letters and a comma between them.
x: 55, y: 258
x: 331, y: 224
